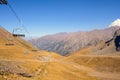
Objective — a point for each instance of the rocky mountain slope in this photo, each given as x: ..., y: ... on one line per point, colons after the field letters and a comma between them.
x: 65, y: 43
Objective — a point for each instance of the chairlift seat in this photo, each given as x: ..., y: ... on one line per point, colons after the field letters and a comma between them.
x: 18, y: 35
x: 10, y: 44
x: 34, y: 50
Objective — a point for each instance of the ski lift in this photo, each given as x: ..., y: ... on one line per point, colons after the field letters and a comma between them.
x: 9, y: 42
x: 16, y: 30
x: 16, y: 34
x: 34, y: 50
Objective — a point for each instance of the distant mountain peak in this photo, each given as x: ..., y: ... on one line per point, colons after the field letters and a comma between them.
x: 115, y: 23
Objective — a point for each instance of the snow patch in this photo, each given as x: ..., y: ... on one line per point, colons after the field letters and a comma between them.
x: 115, y: 23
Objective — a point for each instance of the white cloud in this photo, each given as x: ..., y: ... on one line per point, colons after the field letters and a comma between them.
x: 115, y: 23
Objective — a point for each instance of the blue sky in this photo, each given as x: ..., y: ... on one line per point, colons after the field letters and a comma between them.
x: 44, y: 17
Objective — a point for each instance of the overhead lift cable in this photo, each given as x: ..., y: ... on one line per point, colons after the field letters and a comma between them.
x: 19, y: 20
x: 5, y: 2
x: 22, y: 25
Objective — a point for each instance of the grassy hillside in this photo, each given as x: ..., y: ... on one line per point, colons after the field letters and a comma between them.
x: 101, y: 63
x: 19, y: 62
x: 101, y: 60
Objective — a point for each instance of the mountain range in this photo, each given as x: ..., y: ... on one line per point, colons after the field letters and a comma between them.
x: 65, y: 43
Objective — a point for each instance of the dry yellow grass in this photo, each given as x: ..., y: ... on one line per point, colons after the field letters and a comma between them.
x: 103, y: 67
x: 100, y: 61
x: 18, y: 62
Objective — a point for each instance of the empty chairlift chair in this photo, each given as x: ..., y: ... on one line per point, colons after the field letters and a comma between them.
x: 9, y: 42
x: 34, y: 50
x: 16, y: 33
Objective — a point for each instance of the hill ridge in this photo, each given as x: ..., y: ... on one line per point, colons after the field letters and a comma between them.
x: 72, y: 42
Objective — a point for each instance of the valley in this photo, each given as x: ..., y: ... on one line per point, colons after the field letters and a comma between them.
x: 59, y: 40
x: 19, y: 62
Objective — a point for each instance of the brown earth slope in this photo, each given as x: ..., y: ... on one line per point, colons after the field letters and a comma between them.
x: 101, y: 61
x: 19, y: 62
